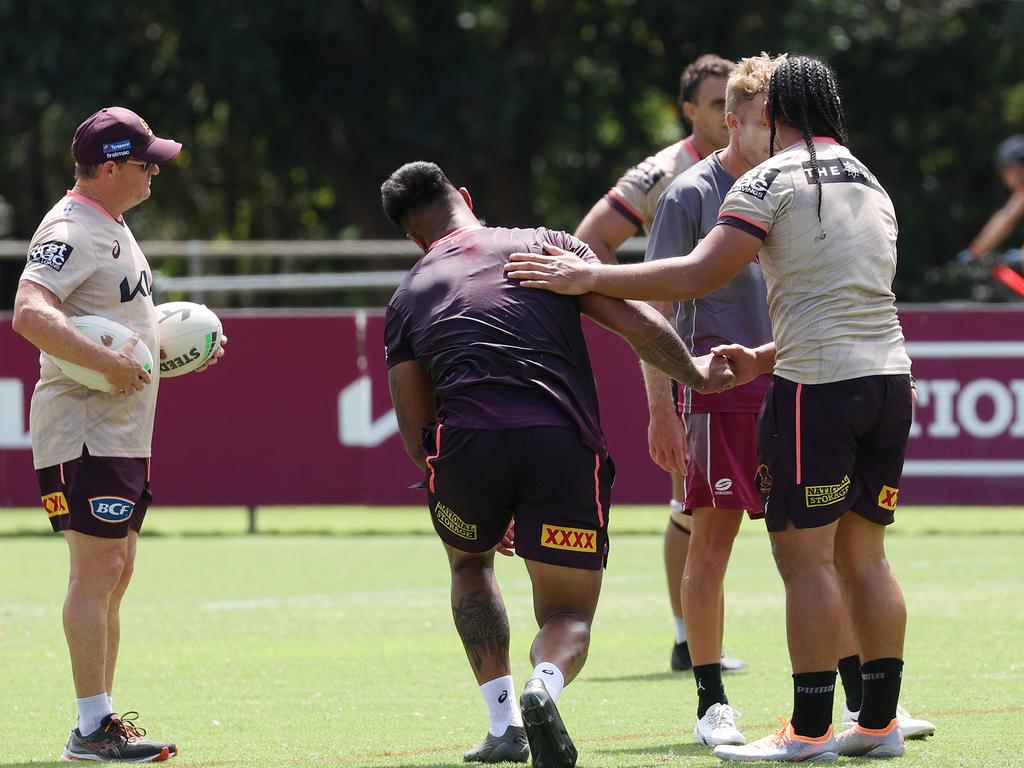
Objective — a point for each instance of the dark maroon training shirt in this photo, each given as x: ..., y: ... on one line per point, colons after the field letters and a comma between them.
x: 501, y: 356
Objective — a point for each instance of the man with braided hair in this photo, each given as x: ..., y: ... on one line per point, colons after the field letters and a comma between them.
x: 833, y: 430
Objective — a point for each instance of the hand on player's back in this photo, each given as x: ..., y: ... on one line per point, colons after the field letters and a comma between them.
x: 558, y: 270
x: 124, y: 373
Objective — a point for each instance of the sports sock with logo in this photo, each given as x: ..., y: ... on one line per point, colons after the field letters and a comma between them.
x: 91, y: 711
x: 502, y: 705
x: 710, y: 689
x: 813, y: 693
x: 680, y: 629
x: 553, y: 678
x: 849, y: 673
x: 882, y: 679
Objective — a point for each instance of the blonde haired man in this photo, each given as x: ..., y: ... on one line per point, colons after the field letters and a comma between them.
x: 630, y: 206
x: 716, y: 451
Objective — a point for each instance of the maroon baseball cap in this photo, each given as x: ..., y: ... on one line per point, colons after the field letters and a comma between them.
x: 116, y: 132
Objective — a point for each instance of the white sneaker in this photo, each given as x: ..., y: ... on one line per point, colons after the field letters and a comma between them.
x: 864, y: 742
x: 718, y: 726
x: 912, y: 727
x: 784, y: 745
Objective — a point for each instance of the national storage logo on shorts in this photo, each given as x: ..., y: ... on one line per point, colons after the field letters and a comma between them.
x: 454, y: 523
x: 111, y: 509
x: 55, y: 504
x: 573, y: 539
x: 823, y: 495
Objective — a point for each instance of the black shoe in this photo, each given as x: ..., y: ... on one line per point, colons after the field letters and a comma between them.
x: 550, y: 744
x: 116, y: 739
x: 510, y: 747
x: 681, y: 657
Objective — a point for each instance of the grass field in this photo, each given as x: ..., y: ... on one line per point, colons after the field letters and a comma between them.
x: 296, y: 648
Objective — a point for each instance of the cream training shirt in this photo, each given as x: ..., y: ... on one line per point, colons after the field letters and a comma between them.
x: 92, y: 263
x: 636, y: 194
x: 830, y: 293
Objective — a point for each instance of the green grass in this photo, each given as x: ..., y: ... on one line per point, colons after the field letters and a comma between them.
x: 304, y: 649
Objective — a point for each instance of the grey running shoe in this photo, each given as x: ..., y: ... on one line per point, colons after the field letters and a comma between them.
x: 510, y: 747
x: 550, y: 744
x: 871, y: 742
x: 118, y: 740
x: 784, y: 745
x: 732, y: 664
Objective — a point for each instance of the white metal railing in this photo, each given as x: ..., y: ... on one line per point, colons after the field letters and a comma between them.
x: 196, y: 252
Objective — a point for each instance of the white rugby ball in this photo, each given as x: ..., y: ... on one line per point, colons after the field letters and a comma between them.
x: 109, y: 334
x: 189, y: 335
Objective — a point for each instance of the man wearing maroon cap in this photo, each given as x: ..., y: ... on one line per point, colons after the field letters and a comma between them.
x: 91, y: 449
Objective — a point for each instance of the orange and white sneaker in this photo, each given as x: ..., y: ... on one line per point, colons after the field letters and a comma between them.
x: 784, y: 745
x: 859, y: 741
x: 912, y: 727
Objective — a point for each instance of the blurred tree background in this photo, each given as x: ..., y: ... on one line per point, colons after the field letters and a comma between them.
x: 293, y: 113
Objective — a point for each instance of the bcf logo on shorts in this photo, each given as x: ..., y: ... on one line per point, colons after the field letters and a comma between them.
x: 111, y: 509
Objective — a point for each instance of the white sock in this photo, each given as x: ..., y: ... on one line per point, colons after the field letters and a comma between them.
x: 91, y: 711
x: 680, y: 629
x: 553, y: 678
x: 110, y: 702
x: 502, y: 705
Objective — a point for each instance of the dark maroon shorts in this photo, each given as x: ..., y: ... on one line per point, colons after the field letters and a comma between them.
x: 96, y: 495
x: 557, y: 489
x: 824, y: 449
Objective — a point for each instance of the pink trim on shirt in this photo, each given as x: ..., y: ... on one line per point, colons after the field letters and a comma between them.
x: 622, y: 201
x: 816, y: 140
x: 450, y: 235
x: 751, y: 222
x: 92, y: 203
x: 688, y: 143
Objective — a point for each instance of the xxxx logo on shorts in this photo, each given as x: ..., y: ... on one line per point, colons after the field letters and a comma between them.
x: 111, y: 509
x: 823, y: 495
x: 454, y: 523
x: 573, y: 539
x: 55, y: 504
x: 888, y: 497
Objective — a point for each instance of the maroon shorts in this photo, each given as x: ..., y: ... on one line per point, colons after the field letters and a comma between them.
x: 96, y: 495
x: 824, y: 449
x: 720, y: 462
x: 557, y: 490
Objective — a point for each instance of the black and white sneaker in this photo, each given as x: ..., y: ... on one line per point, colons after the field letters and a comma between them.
x: 550, y: 744
x: 117, y: 740
x: 510, y: 747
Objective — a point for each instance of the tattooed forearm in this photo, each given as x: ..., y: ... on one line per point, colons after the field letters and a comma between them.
x: 482, y: 623
x: 667, y: 353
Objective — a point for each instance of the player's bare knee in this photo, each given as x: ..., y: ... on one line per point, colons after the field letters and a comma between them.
x: 99, y: 574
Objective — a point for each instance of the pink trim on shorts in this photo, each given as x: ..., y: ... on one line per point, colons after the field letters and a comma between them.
x: 597, y: 491
x: 62, y: 481
x: 148, y: 467
x: 799, y: 466
x: 437, y: 445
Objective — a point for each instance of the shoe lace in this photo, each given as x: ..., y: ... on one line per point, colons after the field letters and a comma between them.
x: 783, y: 735
x: 130, y: 730
x: 726, y: 715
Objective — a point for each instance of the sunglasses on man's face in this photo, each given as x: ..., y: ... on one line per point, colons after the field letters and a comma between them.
x: 145, y: 165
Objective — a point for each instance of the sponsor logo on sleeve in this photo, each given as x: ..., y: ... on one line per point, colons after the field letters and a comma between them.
x: 446, y: 517
x: 117, y: 149
x: 888, y: 497
x: 111, y: 509
x: 757, y: 182
x: 55, y: 504
x: 572, y: 539
x: 824, y: 495
x: 644, y: 175
x: 52, y: 253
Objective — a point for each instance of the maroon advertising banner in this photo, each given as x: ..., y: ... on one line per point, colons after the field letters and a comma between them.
x: 299, y: 413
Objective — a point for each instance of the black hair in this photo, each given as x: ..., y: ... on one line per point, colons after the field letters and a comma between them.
x: 413, y: 186
x: 804, y: 92
x: 708, y: 65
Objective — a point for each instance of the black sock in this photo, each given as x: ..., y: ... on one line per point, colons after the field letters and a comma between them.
x: 710, y: 690
x: 849, y: 673
x: 812, y: 702
x: 882, y: 678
